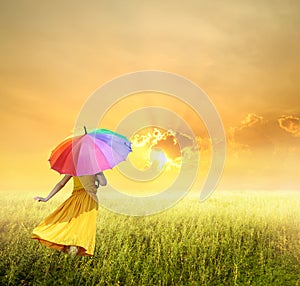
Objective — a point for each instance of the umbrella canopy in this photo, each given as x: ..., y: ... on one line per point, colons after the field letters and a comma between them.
x: 90, y: 153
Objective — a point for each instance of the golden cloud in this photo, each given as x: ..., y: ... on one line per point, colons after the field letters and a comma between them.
x: 167, y: 141
x: 236, y: 133
x: 152, y: 138
x: 203, y: 143
x: 250, y: 120
x: 290, y: 124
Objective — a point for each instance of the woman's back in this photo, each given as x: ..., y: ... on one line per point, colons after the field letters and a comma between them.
x: 85, y: 182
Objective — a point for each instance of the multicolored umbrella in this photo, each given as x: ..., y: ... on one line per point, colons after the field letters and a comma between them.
x: 90, y: 153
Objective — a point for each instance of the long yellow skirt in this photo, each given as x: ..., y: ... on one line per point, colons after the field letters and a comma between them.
x: 72, y: 223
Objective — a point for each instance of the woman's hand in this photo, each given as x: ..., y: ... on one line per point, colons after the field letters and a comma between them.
x: 56, y: 189
x: 40, y: 199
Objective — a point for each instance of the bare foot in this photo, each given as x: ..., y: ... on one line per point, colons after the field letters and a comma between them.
x: 73, y: 250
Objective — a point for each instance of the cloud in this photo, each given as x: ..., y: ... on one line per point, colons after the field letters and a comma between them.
x: 247, y: 133
x: 256, y: 131
x: 250, y: 120
x: 149, y: 139
x: 173, y: 163
x: 189, y: 150
x: 204, y: 143
x: 152, y: 138
x: 290, y: 124
x: 261, y: 155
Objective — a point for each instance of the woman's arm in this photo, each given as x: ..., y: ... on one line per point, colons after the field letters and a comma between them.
x: 100, y: 179
x: 55, y: 190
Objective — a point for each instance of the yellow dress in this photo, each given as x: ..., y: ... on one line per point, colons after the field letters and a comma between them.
x: 74, y: 221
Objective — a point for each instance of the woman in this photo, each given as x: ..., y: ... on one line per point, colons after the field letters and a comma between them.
x: 71, y: 228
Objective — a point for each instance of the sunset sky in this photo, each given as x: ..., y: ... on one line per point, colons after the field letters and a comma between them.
x: 243, y: 54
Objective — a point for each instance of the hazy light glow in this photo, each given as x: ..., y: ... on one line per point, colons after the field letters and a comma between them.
x: 244, y: 54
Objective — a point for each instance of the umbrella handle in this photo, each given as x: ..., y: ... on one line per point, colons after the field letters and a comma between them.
x: 85, y: 130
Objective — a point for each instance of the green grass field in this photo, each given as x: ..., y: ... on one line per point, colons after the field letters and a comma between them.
x: 242, y: 238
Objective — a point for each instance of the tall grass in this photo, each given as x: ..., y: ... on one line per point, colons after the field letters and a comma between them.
x: 243, y: 238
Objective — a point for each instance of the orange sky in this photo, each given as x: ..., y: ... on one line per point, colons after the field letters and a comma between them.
x: 243, y: 54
